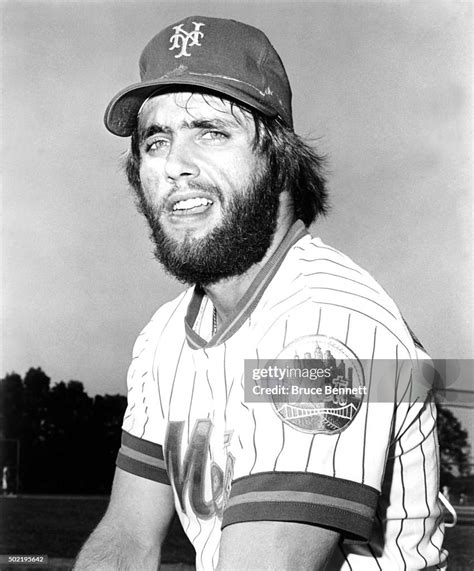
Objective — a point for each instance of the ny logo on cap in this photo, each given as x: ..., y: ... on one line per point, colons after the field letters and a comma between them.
x: 182, y: 39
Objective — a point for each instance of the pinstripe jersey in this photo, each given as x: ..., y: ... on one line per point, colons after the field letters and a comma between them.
x: 366, y: 465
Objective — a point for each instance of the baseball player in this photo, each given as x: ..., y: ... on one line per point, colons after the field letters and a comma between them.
x: 280, y: 405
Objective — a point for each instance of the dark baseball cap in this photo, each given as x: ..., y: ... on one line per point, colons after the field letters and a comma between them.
x: 220, y: 56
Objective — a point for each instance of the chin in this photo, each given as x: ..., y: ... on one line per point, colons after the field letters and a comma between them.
x: 194, y: 229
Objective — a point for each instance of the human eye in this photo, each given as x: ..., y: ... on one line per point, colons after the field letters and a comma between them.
x: 156, y: 144
x: 214, y: 136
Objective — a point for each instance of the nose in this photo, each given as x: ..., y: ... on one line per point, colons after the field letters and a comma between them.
x: 180, y: 161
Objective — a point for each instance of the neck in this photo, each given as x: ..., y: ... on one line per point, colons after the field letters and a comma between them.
x: 226, y: 293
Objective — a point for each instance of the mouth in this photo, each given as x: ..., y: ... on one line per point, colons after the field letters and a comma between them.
x: 190, y: 203
x: 194, y: 205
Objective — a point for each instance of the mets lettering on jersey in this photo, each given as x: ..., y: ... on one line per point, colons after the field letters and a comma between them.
x: 187, y: 476
x: 349, y: 461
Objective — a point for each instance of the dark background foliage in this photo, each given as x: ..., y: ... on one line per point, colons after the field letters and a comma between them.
x: 62, y: 440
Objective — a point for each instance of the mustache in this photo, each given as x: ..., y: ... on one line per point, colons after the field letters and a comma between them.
x: 154, y: 211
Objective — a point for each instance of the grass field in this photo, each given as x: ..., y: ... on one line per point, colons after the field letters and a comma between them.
x: 58, y: 526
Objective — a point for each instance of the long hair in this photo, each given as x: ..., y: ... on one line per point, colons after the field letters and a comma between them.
x: 298, y: 168
x: 295, y: 166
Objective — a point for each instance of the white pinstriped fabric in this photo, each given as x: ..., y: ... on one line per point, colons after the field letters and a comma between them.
x: 230, y: 460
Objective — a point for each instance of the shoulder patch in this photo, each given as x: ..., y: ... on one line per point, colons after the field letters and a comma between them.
x: 325, y: 383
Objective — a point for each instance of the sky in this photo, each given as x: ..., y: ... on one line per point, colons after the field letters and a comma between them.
x: 383, y: 88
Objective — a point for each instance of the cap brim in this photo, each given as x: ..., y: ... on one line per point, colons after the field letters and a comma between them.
x: 121, y: 113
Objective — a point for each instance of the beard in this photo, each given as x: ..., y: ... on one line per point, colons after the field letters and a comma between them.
x: 241, y: 239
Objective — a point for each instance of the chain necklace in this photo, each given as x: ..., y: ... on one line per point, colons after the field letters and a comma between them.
x: 214, y: 321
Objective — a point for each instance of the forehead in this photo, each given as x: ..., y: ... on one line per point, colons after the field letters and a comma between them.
x: 184, y: 108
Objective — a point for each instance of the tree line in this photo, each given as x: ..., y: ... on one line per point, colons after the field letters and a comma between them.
x: 57, y: 439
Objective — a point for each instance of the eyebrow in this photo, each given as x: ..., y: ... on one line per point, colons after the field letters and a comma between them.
x: 157, y: 128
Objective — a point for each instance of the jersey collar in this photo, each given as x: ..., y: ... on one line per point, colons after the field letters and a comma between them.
x: 249, y: 300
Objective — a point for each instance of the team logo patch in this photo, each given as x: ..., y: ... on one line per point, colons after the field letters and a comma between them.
x: 182, y: 40
x: 322, y: 385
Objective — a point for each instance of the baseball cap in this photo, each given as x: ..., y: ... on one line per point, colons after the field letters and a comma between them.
x: 218, y: 55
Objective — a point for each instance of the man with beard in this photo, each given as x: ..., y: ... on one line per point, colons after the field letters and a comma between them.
x: 261, y: 477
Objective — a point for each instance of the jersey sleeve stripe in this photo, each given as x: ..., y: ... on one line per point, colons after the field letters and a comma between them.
x: 129, y: 453
x: 140, y: 445
x: 304, y: 481
x: 142, y: 458
x: 142, y: 470
x: 308, y: 498
x: 350, y: 524
x: 303, y: 498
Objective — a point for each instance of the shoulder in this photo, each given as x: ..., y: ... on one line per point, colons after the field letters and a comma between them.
x: 147, y: 395
x: 322, y: 290
x: 169, y: 316
x: 324, y: 268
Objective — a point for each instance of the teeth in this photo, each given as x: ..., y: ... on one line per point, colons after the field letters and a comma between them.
x: 191, y: 203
